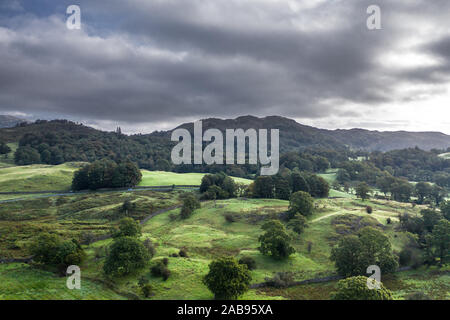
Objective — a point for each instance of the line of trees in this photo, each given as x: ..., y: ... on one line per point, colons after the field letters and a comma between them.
x: 106, y: 174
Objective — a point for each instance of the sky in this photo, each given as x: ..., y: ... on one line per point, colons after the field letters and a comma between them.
x: 148, y: 65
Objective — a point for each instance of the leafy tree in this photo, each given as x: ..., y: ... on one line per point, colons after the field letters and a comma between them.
x: 439, y: 241
x: 126, y: 255
x: 4, y: 148
x: 298, y: 223
x: 301, y: 202
x: 363, y: 190
x: 190, y: 203
x: 51, y: 250
x: 402, y: 191
x: 319, y: 187
x: 355, y: 288
x: 430, y: 218
x: 282, y: 188
x: 438, y: 194
x: 227, y: 279
x: 423, y: 191
x: 445, y: 209
x: 26, y: 155
x: 354, y: 254
x: 299, y: 183
x: 275, y: 242
x: 128, y: 227
x: 264, y: 187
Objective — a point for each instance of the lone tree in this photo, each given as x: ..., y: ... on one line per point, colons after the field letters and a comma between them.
x: 362, y: 191
x: 227, y: 279
x: 301, y: 202
x: 128, y: 227
x: 355, y: 288
x: 190, y: 203
x: 354, y: 254
x: 275, y: 242
x: 127, y: 255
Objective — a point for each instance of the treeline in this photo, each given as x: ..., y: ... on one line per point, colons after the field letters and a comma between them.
x: 220, y: 186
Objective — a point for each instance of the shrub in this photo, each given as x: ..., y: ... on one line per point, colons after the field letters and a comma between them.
x: 249, y: 262
x: 369, y: 209
x: 229, y: 217
x: 418, y: 296
x: 183, y: 253
x: 147, y: 290
x: 227, y: 279
x: 280, y: 280
x: 148, y: 244
x: 355, y: 288
x: 160, y: 269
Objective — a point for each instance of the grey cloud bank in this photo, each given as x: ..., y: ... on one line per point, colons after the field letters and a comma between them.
x: 154, y: 64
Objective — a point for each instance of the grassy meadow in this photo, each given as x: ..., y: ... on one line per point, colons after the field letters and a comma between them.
x: 205, y: 235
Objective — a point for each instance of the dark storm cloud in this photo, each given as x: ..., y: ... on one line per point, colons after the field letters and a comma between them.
x: 161, y: 61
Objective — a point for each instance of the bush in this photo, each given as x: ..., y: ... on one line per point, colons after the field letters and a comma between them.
x: 418, y: 296
x: 355, y: 288
x: 369, y: 209
x: 160, y: 270
x: 227, y: 279
x: 183, y: 253
x: 229, y: 217
x: 147, y: 290
x: 280, y: 280
x: 148, y: 244
x: 249, y: 262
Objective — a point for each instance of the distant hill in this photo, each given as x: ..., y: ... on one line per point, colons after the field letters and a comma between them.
x: 69, y: 141
x: 294, y: 135
x: 7, y: 121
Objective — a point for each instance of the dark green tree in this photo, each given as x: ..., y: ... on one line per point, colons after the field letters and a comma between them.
x: 227, y: 279
x: 275, y: 242
x: 301, y: 202
x: 126, y: 255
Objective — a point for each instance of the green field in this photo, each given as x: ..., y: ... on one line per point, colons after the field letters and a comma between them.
x: 37, y: 177
x: 206, y: 235
x: 159, y: 178
x: 40, y: 177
